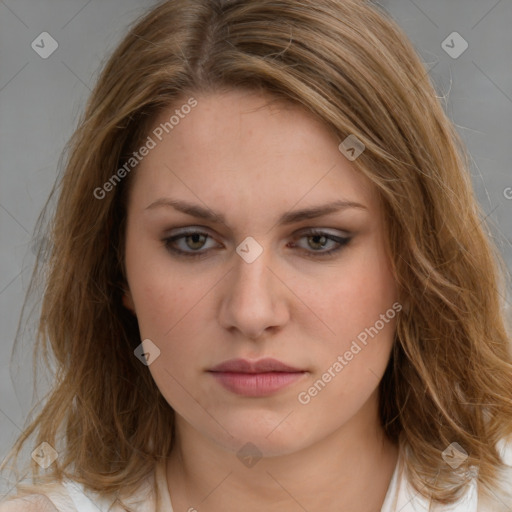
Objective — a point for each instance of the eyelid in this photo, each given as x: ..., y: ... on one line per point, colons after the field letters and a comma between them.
x: 203, y: 230
x: 340, y: 240
x: 342, y: 233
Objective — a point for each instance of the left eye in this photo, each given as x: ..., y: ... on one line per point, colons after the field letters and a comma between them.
x: 196, y: 240
x: 319, y: 240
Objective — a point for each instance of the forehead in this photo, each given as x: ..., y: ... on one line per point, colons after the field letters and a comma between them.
x: 247, y: 146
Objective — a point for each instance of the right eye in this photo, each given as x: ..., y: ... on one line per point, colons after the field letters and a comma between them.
x: 189, y: 243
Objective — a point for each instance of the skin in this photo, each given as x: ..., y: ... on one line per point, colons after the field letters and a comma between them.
x: 252, y: 161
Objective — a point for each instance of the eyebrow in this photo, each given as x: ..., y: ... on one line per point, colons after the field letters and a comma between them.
x: 292, y: 217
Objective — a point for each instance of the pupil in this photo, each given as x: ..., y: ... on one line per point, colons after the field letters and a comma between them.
x: 195, y: 238
x: 315, y: 237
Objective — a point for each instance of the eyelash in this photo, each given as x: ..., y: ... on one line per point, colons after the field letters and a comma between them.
x: 341, y: 241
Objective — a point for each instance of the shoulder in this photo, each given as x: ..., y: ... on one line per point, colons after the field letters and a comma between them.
x: 505, y: 451
x: 67, y: 496
x: 500, y: 498
x: 402, y: 496
x: 52, y: 499
x: 71, y: 496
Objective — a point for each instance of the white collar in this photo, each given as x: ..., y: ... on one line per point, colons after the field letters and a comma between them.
x: 402, y: 497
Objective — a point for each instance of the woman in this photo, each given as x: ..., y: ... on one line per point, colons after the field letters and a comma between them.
x: 335, y: 341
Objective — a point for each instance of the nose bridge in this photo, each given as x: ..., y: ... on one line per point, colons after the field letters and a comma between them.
x: 251, y: 299
x: 251, y: 275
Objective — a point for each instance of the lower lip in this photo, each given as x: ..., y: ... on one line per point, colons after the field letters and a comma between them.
x: 256, y: 384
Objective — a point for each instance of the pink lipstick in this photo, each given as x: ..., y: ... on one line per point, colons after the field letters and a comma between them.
x: 255, y: 379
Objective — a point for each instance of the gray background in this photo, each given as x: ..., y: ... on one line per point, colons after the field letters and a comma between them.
x: 40, y: 100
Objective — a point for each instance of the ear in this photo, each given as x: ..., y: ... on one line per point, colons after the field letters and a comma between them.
x: 128, y: 301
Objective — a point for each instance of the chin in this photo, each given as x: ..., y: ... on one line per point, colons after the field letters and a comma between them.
x: 259, y: 446
x: 266, y: 438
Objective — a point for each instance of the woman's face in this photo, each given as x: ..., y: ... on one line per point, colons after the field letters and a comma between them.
x: 260, y: 283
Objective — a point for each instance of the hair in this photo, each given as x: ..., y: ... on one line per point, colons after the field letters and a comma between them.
x: 348, y: 63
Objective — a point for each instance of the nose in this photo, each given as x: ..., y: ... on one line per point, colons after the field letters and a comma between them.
x: 254, y: 298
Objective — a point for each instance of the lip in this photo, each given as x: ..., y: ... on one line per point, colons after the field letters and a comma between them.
x: 265, y: 365
x: 255, y: 378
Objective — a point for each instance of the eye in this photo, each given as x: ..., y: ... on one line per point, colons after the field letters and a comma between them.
x: 190, y: 243
x: 190, y: 239
x: 318, y: 240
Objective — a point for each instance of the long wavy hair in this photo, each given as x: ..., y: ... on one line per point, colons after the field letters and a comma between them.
x: 346, y: 61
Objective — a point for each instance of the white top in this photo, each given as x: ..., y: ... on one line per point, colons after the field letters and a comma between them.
x: 70, y: 496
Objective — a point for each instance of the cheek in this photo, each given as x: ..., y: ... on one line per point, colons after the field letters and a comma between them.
x: 172, y: 311
x: 358, y: 309
x: 364, y: 290
x: 348, y: 372
x: 168, y: 310
x: 161, y: 292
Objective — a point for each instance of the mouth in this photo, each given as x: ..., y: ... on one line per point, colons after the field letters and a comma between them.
x: 255, y: 379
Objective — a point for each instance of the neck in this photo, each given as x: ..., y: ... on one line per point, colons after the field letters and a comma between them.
x: 349, y: 469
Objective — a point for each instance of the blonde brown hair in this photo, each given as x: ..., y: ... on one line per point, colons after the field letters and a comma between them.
x: 346, y: 61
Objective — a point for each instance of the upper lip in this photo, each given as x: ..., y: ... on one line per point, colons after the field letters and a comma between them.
x: 261, y: 366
